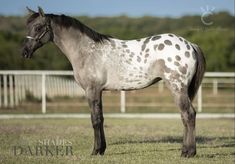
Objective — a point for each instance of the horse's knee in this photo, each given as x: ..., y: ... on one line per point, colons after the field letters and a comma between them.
x: 97, y: 120
x: 192, y: 113
x: 188, y: 114
x: 192, y: 116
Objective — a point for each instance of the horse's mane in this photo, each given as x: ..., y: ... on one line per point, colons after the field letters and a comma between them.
x: 67, y: 22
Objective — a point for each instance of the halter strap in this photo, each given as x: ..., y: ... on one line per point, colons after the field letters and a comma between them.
x: 40, y: 36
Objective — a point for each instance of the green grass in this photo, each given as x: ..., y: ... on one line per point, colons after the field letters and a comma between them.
x: 128, y: 140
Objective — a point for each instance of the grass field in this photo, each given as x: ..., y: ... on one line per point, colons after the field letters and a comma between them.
x: 128, y: 140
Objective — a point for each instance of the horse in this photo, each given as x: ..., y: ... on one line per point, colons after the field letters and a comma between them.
x: 101, y: 62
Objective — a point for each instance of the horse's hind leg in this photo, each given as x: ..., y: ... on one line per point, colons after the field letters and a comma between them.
x: 188, y: 116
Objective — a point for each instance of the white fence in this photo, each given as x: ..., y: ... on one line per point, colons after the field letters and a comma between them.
x: 15, y: 86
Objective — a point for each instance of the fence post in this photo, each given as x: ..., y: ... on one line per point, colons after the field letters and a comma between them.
x: 199, y: 99
x: 23, y: 88
x: 215, y: 87
x: 11, y: 92
x: 123, y: 102
x: 5, y: 90
x: 16, y: 90
x: 43, y: 93
x: 0, y: 91
x: 160, y: 86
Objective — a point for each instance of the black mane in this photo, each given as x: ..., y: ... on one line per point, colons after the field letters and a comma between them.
x: 67, y: 22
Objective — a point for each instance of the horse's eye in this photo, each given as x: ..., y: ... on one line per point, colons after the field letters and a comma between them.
x: 38, y: 28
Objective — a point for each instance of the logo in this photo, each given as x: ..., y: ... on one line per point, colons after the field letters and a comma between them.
x: 207, y: 12
x: 45, y: 147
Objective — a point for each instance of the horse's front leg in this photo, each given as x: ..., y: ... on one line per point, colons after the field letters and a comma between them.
x: 94, y: 97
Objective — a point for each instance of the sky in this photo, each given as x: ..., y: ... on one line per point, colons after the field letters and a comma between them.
x: 133, y: 8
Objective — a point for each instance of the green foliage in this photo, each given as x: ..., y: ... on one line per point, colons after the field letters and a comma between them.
x: 218, y: 46
x: 216, y: 40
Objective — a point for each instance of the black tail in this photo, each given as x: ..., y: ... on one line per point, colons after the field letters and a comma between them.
x: 199, y: 73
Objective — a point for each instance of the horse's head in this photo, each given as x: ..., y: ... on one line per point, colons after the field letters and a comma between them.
x: 39, y: 32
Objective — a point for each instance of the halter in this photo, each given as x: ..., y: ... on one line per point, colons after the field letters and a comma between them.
x: 40, y: 36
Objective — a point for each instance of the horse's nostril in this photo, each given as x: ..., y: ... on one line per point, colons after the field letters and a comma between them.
x: 25, y: 52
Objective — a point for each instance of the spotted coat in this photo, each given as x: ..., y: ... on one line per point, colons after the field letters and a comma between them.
x: 138, y: 63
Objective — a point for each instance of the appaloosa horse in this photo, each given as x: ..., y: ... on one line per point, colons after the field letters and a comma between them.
x: 101, y: 62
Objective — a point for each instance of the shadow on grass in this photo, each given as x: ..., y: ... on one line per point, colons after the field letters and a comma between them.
x: 215, y: 155
x: 133, y: 152
x: 228, y: 141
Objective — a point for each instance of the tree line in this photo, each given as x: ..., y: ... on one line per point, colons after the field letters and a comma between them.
x: 216, y: 39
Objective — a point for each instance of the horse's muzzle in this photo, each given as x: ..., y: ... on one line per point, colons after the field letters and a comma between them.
x: 26, y: 52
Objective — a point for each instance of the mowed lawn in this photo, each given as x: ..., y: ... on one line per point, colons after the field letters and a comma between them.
x: 128, y: 141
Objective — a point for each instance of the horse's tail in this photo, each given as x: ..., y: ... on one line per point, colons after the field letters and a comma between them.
x: 199, y: 73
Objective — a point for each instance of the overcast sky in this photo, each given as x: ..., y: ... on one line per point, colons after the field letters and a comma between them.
x: 135, y: 8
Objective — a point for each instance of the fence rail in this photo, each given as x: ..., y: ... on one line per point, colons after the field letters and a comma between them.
x: 16, y: 85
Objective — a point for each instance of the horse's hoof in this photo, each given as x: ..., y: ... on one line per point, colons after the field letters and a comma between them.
x: 102, y: 150
x: 191, y: 153
x: 95, y: 152
x: 188, y: 153
x: 101, y: 153
x: 184, y: 154
x: 98, y: 151
x: 184, y: 151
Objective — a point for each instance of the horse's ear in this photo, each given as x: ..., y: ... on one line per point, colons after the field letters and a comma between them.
x: 40, y: 11
x: 31, y: 12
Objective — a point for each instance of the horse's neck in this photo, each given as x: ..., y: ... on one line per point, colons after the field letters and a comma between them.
x: 71, y: 42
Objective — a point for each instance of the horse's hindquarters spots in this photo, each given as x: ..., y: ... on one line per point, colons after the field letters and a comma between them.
x: 161, y: 47
x: 177, y: 47
x: 156, y: 37
x: 187, y: 54
x: 168, y: 42
x: 169, y: 59
x: 159, y: 67
x: 183, y: 70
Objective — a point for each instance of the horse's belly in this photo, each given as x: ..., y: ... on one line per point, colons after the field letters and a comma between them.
x: 131, y: 82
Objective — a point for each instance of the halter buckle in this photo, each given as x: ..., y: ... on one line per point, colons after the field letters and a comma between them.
x: 30, y: 37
